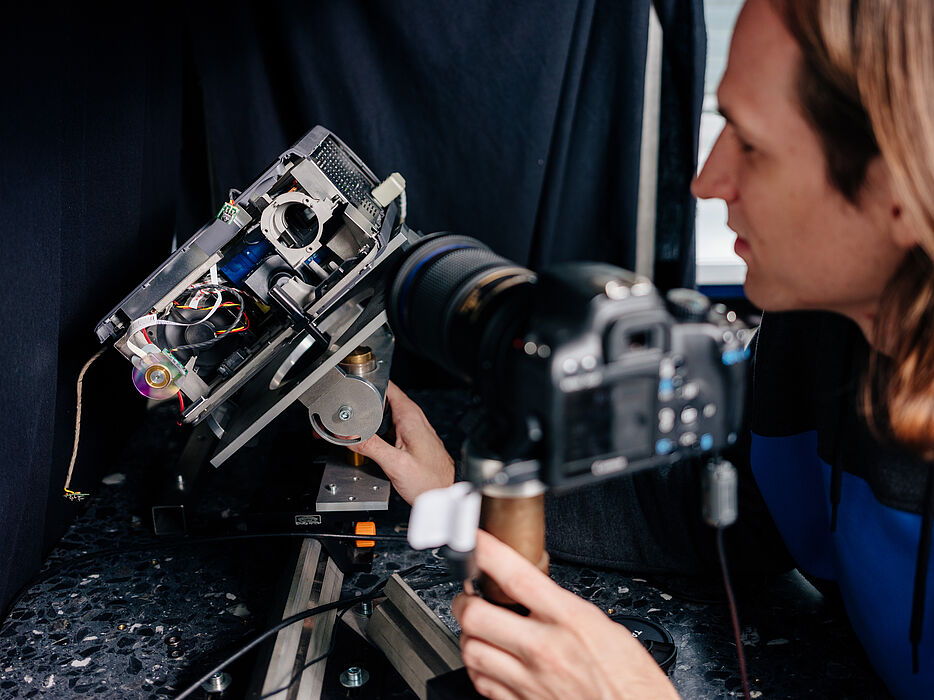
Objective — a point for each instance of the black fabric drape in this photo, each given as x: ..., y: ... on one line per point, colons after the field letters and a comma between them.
x: 512, y: 122
x: 516, y: 123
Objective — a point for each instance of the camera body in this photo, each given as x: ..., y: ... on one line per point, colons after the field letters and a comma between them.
x: 621, y: 379
x: 583, y: 369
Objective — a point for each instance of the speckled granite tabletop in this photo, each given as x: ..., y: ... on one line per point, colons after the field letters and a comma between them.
x: 120, y: 613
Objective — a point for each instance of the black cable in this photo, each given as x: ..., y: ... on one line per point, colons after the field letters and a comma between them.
x: 298, y: 674
x: 317, y: 610
x: 162, y: 544
x: 734, y: 615
x: 330, y: 649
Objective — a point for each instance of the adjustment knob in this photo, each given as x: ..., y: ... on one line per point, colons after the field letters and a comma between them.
x: 688, y: 304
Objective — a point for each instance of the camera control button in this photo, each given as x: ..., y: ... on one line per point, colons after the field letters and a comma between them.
x: 666, y: 420
x: 710, y: 410
x: 688, y: 439
x: 664, y: 446
x: 690, y: 391
x: 569, y: 365
x: 589, y: 362
x: 688, y: 415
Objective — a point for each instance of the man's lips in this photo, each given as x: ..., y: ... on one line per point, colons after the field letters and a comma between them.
x: 740, y: 246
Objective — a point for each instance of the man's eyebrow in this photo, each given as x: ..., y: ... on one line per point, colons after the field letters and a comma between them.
x: 739, y: 128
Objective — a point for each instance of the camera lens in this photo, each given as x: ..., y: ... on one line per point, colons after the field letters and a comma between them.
x: 459, y: 303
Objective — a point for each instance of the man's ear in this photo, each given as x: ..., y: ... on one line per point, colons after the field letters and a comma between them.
x: 896, y: 217
x: 904, y: 229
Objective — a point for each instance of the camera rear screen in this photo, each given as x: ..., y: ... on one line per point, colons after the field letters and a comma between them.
x: 610, y: 420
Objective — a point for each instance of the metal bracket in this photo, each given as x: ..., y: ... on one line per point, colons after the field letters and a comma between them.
x: 344, y: 487
x: 316, y: 580
x: 415, y: 641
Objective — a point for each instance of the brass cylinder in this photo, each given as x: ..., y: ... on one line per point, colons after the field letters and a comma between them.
x: 354, y: 459
x: 359, y: 362
x: 520, y: 523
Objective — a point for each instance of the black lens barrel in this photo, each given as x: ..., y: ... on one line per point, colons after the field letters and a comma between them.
x: 444, y: 296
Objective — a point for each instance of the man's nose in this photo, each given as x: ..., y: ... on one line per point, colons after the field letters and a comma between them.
x: 717, y: 178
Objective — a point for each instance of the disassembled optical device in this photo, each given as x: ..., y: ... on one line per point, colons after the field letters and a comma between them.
x: 279, y: 299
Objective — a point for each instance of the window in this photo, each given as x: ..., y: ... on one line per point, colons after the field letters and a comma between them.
x: 717, y: 264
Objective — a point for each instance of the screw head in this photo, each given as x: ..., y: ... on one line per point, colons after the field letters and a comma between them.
x: 217, y: 683
x: 354, y: 677
x: 345, y: 413
x: 331, y: 488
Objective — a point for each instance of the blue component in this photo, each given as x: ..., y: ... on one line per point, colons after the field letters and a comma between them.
x: 257, y: 251
x: 706, y: 441
x: 238, y: 268
x: 731, y: 357
x: 316, y: 258
x: 665, y: 386
x: 664, y: 446
x: 245, y: 261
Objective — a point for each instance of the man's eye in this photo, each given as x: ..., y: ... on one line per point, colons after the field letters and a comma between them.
x: 744, y: 146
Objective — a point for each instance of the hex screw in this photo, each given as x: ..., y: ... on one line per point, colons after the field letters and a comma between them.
x: 217, y: 683
x: 345, y: 413
x: 331, y: 488
x: 354, y: 677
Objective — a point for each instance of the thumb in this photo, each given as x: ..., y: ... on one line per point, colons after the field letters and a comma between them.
x: 378, y: 450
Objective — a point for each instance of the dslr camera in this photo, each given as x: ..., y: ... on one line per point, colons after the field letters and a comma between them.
x: 583, y: 370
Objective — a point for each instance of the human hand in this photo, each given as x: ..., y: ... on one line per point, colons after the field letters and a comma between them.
x: 418, y: 462
x: 565, y: 648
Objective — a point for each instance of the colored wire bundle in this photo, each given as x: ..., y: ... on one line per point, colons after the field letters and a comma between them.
x: 233, y: 328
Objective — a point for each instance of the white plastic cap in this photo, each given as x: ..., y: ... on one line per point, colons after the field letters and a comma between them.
x: 447, y: 516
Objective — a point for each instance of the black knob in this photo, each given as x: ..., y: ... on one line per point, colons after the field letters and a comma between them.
x: 688, y: 304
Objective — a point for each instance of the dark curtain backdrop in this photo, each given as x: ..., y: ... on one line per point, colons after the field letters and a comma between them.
x: 514, y: 122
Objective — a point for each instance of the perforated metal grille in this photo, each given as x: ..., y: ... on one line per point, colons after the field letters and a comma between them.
x: 347, y: 177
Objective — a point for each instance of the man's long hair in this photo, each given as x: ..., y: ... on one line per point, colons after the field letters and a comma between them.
x: 866, y: 84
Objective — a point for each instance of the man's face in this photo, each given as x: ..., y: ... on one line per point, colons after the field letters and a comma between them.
x: 805, y: 245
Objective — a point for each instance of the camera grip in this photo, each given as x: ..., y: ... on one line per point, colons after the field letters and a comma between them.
x: 519, y: 521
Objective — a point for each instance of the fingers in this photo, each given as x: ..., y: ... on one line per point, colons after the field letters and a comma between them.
x: 521, y: 580
x: 399, y: 400
x: 495, y: 666
x: 489, y: 688
x: 497, y: 626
